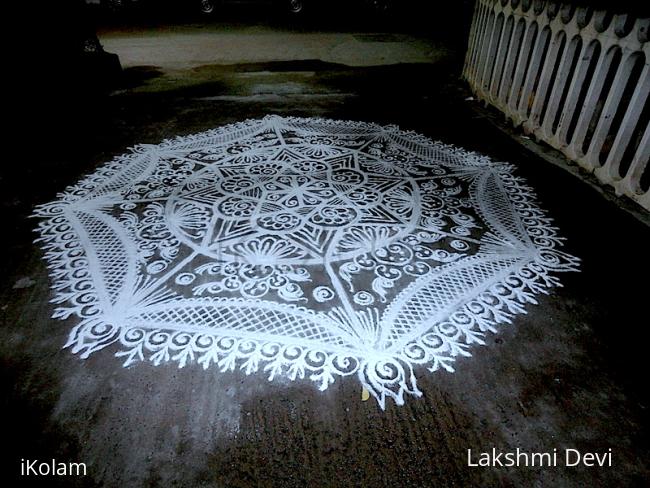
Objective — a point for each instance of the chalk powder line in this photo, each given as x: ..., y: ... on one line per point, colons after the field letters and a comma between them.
x: 299, y: 247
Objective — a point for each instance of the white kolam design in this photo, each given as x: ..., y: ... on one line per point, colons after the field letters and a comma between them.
x: 299, y: 247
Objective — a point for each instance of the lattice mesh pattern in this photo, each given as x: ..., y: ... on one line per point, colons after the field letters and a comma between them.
x: 110, y: 253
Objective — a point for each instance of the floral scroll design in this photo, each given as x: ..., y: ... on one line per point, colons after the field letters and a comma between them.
x: 307, y: 248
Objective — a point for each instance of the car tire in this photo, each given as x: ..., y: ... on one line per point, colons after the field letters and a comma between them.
x: 295, y: 7
x: 207, y: 7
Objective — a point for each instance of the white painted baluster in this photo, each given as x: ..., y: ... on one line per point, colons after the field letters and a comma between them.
x: 639, y: 165
x: 533, y: 68
x: 609, y: 109
x: 585, y: 58
x: 559, y: 87
x: 516, y: 62
x: 502, y: 51
x: 545, y: 81
x: 575, y: 150
x: 508, y: 70
x: 610, y: 170
x: 522, y: 67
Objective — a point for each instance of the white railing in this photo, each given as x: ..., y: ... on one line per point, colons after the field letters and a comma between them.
x: 576, y: 79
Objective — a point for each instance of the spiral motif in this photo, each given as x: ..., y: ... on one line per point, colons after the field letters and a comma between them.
x: 415, y: 352
x: 323, y: 293
x: 270, y: 350
x: 291, y: 353
x: 156, y: 267
x: 235, y: 207
x: 345, y: 365
x: 265, y: 169
x: 459, y: 245
x: 133, y: 335
x: 387, y: 371
x: 100, y: 329
x: 432, y: 341
x: 334, y: 216
x: 181, y: 339
x: 203, y: 341
x: 184, y: 279
x: 363, y: 298
x: 279, y: 222
x: 158, y: 338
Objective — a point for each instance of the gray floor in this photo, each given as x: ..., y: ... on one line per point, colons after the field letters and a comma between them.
x: 569, y: 374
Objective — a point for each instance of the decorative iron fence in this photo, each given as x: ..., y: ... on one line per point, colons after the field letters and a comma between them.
x: 575, y: 78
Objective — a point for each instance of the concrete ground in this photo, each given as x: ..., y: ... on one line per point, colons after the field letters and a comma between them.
x: 569, y: 374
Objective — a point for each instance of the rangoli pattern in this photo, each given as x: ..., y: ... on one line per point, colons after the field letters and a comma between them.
x: 298, y: 247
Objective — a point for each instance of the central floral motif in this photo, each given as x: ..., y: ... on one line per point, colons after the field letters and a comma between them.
x: 305, y: 210
x: 300, y: 247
